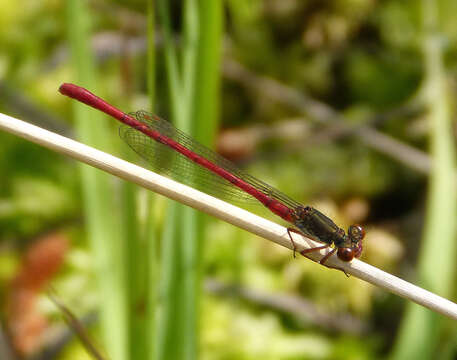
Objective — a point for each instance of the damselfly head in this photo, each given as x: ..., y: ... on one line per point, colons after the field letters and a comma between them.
x: 355, y: 236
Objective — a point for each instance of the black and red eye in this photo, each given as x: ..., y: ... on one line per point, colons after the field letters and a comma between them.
x: 358, y: 250
x: 356, y: 233
x: 345, y: 254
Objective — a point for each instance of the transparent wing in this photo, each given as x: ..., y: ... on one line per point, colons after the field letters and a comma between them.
x: 165, y: 160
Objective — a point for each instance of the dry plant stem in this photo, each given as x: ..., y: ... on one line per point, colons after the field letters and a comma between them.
x: 222, y: 210
x: 6, y: 352
x: 301, y: 309
x: 76, y: 325
x: 325, y: 114
x: 404, y: 153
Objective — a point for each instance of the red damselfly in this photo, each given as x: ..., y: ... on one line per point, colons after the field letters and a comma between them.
x: 173, y: 153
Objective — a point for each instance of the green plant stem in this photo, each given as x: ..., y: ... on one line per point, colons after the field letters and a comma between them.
x: 171, y: 59
x: 205, y: 114
x: 198, y: 76
x: 136, y: 259
x: 150, y: 237
x: 100, y: 211
x: 173, y: 302
x: 419, y: 331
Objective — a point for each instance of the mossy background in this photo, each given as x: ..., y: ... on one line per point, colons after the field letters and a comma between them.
x: 346, y: 105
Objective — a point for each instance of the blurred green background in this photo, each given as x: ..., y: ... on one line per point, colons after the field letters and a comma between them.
x: 346, y: 105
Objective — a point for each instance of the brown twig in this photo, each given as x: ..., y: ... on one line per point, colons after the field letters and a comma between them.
x: 324, y: 114
x: 301, y: 309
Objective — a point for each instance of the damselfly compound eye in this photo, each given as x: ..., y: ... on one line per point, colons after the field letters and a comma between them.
x: 356, y: 233
x: 358, y: 250
x: 345, y: 254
